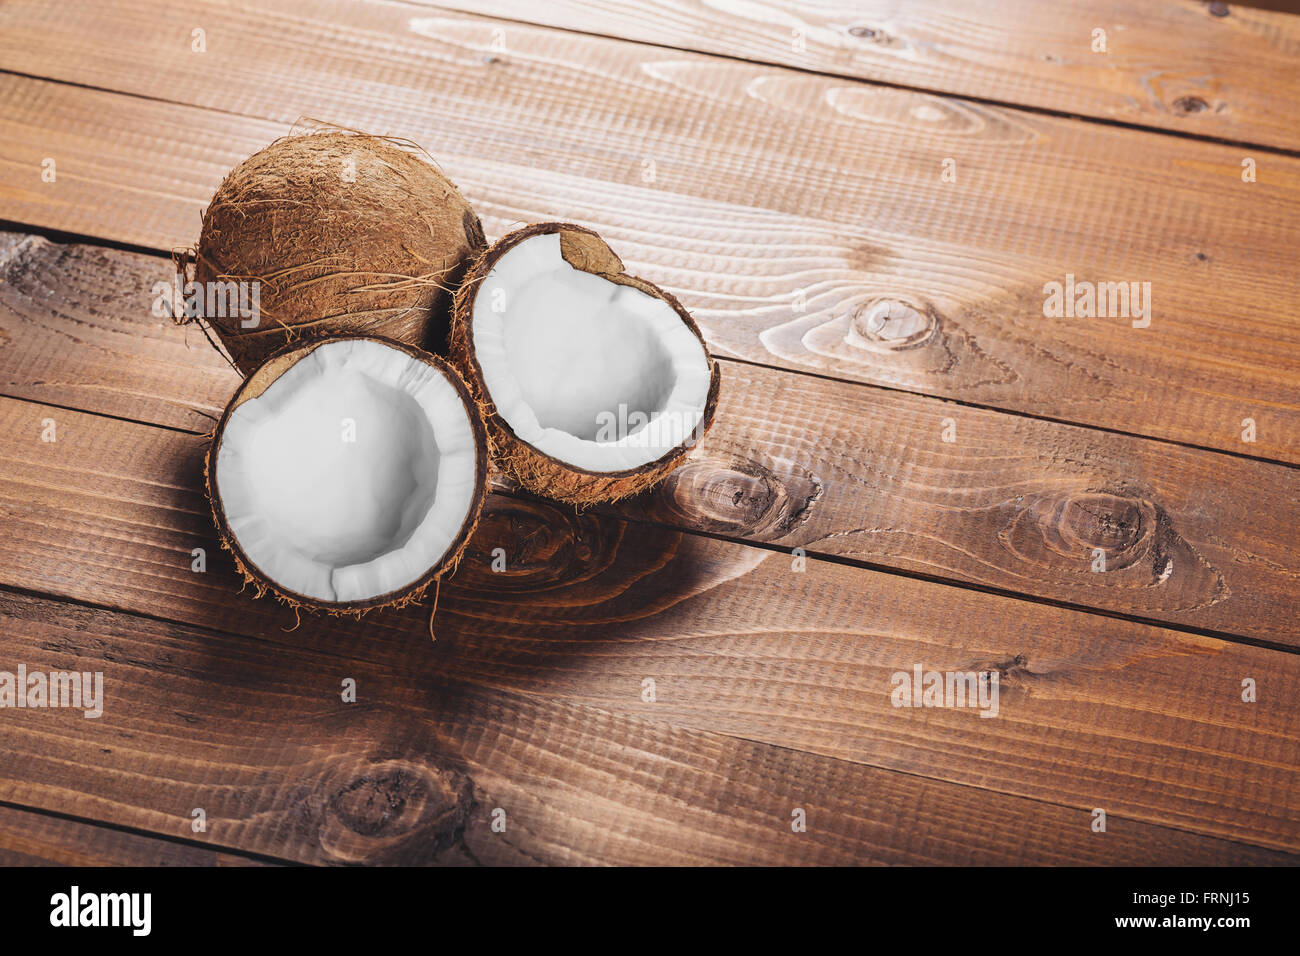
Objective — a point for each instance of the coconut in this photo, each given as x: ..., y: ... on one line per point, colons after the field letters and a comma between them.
x: 348, y: 473
x: 343, y: 233
x: 594, y: 384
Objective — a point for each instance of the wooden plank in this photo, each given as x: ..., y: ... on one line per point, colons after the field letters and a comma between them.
x: 77, y: 328
x: 1169, y: 65
x: 862, y: 474
x: 418, y: 768
x: 28, y: 838
x: 1094, y: 711
x: 804, y: 219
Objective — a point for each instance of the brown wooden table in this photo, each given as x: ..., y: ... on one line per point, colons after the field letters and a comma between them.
x: 863, y: 204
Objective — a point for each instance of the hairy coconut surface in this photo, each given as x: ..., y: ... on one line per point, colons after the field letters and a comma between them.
x: 593, y: 384
x: 348, y: 473
x: 344, y: 233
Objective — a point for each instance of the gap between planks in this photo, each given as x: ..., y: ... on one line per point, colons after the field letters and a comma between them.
x: 36, y: 836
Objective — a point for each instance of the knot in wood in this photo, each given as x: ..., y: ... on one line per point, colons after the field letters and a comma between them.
x: 894, y: 325
x: 1190, y: 104
x: 1111, y: 523
x: 399, y: 797
x: 521, y: 545
x: 740, y: 496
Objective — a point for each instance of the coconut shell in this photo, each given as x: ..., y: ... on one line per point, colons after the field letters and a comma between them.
x: 531, y: 468
x: 258, y: 382
x: 347, y: 234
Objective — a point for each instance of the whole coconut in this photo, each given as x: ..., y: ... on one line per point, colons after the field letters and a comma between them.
x: 345, y: 233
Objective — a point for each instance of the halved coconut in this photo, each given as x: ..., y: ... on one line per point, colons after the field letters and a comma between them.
x: 348, y: 473
x: 594, y: 384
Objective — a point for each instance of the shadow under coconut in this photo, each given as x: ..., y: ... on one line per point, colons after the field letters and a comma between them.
x: 545, y: 596
x: 545, y: 600
x: 538, y: 584
x: 249, y: 696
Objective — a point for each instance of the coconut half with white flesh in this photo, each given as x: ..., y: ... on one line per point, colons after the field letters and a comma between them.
x: 348, y: 473
x: 594, y: 384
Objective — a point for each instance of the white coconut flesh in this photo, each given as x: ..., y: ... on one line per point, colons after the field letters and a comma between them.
x: 351, y: 475
x: 595, y: 374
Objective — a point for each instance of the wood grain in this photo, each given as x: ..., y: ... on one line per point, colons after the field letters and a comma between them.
x: 802, y: 218
x: 859, y: 473
x: 28, y: 838
x: 78, y: 327
x: 1169, y: 65
x: 738, y: 640
x: 418, y: 768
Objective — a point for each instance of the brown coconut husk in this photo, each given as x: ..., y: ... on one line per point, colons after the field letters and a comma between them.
x: 258, y: 382
x: 378, y: 255
x: 533, y: 469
